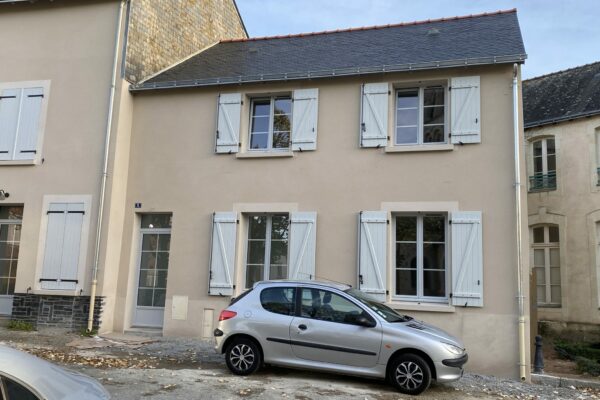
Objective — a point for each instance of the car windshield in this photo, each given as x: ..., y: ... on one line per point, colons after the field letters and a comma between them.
x: 385, y: 312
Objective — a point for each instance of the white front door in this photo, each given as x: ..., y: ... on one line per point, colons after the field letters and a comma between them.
x: 10, y: 238
x: 153, y: 264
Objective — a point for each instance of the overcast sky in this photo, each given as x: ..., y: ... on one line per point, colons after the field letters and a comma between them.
x: 558, y: 34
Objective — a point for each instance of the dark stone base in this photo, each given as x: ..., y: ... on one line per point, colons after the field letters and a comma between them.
x: 55, y: 312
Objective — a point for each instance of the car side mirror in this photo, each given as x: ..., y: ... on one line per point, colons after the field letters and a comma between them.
x: 361, y: 320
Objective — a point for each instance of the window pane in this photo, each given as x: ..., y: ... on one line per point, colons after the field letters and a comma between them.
x: 6, y: 250
x: 4, y: 232
x: 434, y: 228
x: 408, y: 117
x: 260, y: 124
x: 279, y: 252
x: 538, y: 234
x: 555, y: 294
x: 278, y: 272
x: 434, y: 256
x: 148, y: 260
x: 406, y: 229
x: 407, y: 99
x: 538, y: 258
x: 156, y: 220
x: 13, y: 269
x: 550, y: 148
x: 282, y: 123
x: 280, y: 225
x: 406, y: 255
x: 555, y: 276
x: 164, y: 242
x: 537, y: 148
x: 162, y: 261
x: 144, y: 297
x: 256, y: 252
x: 11, y: 212
x: 159, y: 297
x: 3, y: 286
x: 16, y: 391
x: 161, y: 279
x: 540, y: 275
x: 261, y: 107
x: 433, y: 96
x: 281, y: 140
x: 259, y: 140
x: 17, y: 233
x: 283, y: 105
x: 434, y: 283
x: 278, y: 300
x: 538, y: 165
x: 147, y: 278
x: 554, y: 258
x: 433, y: 115
x: 541, y: 294
x: 150, y: 242
x: 407, y: 135
x: 551, y: 163
x: 11, y: 286
x: 258, y: 227
x: 254, y: 273
x: 553, y: 233
x: 433, y: 134
x: 4, y: 268
x: 406, y: 282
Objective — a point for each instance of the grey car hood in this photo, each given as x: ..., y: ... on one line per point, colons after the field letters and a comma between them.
x: 430, y: 330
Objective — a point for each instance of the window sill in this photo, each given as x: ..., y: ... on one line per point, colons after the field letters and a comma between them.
x: 549, y: 306
x: 542, y: 190
x: 18, y: 162
x: 416, y: 306
x: 43, y: 292
x: 421, y: 147
x: 265, y: 154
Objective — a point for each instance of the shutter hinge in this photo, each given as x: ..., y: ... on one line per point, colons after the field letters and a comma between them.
x: 8, y: 97
x: 28, y: 151
x: 35, y: 95
x: 233, y: 286
x: 242, y: 102
x: 217, y: 133
x: 449, y: 222
x: 450, y: 295
x: 449, y: 134
x: 210, y: 275
x: 363, y: 127
x: 237, y: 221
x: 387, y: 292
x: 449, y: 88
x: 387, y: 221
x: 478, y: 282
x: 240, y: 145
x: 360, y: 279
x: 389, y: 92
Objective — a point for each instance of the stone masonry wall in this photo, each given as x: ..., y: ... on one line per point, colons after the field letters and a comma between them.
x: 162, y: 32
x: 57, y: 312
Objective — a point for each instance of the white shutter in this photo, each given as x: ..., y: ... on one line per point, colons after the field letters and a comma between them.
x: 467, y: 259
x: 465, y: 110
x: 29, y: 123
x: 304, y: 119
x: 10, y: 101
x: 372, y: 277
x: 374, y: 115
x: 222, y: 256
x: 303, y: 233
x: 228, y: 123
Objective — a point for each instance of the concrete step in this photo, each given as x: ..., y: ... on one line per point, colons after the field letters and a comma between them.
x: 145, y: 332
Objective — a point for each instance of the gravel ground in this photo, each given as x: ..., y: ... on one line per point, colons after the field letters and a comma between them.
x: 189, y: 369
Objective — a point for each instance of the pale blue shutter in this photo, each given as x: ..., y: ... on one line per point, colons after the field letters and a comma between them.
x: 467, y: 259
x: 29, y: 124
x: 72, y: 246
x: 10, y: 101
x: 372, y: 262
x: 304, y: 119
x: 465, y: 117
x: 374, y: 115
x: 303, y: 233
x: 228, y: 123
x: 222, y: 257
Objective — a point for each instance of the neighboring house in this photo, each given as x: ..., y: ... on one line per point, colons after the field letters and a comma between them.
x: 562, y: 122
x: 58, y: 58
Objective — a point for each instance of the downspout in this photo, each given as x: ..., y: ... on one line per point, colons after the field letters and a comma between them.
x: 522, y: 348
x: 107, y: 137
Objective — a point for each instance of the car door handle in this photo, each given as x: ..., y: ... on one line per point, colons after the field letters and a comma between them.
x: 302, y: 327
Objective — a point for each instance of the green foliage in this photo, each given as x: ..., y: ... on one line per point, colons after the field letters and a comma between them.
x: 586, y: 355
x: 585, y: 365
x: 86, y: 333
x: 15, y: 325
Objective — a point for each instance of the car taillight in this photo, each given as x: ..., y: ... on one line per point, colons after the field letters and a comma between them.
x: 226, y: 314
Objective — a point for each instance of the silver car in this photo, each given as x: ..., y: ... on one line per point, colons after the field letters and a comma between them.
x: 334, y: 328
x: 25, y: 377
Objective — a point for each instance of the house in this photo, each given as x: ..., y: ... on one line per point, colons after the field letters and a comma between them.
x: 562, y: 129
x: 60, y: 60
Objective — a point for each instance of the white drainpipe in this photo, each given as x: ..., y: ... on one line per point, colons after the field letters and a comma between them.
x: 107, y: 136
x: 520, y: 296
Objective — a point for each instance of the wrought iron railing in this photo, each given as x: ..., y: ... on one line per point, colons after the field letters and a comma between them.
x: 543, y: 181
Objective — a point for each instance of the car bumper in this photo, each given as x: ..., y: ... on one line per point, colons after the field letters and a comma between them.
x: 219, y: 339
x: 451, y: 369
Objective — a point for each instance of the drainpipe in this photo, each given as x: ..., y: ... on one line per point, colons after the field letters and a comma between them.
x: 522, y: 348
x: 107, y: 137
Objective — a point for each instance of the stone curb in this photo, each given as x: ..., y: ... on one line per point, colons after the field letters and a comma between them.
x: 557, y: 381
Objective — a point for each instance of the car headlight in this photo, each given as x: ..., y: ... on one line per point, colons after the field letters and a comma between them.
x: 453, y: 349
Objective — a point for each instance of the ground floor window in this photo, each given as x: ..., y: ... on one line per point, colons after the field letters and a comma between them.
x: 420, y: 256
x: 10, y: 238
x: 546, y: 264
x: 267, y: 247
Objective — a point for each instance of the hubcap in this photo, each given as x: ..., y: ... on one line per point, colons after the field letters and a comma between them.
x: 241, y: 357
x: 409, y: 375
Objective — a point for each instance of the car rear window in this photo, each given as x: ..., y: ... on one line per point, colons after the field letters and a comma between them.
x: 279, y: 300
x: 241, y: 296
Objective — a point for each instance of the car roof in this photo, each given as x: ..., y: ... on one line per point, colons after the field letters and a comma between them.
x: 50, y: 381
x: 327, y: 284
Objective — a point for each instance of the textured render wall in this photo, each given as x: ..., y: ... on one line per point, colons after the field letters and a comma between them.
x: 162, y: 32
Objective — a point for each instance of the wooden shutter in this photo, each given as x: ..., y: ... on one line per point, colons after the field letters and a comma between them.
x: 374, y: 115
x: 467, y: 259
x: 304, y: 119
x: 465, y: 110
x: 222, y: 256
x: 303, y: 233
x: 63, y: 246
x: 372, y: 276
x: 29, y: 124
x: 10, y: 101
x: 228, y: 123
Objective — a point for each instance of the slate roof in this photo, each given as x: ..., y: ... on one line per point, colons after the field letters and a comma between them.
x: 561, y: 96
x: 448, y: 42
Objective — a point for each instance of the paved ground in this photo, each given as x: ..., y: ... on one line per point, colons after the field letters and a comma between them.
x: 189, y: 369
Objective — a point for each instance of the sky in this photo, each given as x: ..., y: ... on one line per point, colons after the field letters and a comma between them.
x: 558, y: 34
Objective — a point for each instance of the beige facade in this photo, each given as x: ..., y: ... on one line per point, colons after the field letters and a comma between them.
x: 574, y: 208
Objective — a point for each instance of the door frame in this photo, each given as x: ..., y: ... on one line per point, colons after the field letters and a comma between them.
x: 6, y: 300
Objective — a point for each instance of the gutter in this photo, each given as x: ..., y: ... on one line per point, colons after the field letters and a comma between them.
x: 107, y: 137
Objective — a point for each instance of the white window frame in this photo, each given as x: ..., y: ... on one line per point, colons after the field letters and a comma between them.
x: 85, y: 231
x: 268, y: 235
x: 447, y: 281
x: 546, y: 246
x: 544, y: 157
x: 12, y: 222
x: 421, y: 108
x: 45, y: 85
x: 271, y: 123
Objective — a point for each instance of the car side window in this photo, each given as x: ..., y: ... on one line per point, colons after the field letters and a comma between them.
x: 327, y: 306
x: 279, y: 300
x: 16, y: 391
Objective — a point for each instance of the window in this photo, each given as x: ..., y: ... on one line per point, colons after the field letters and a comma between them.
x: 598, y: 156
x: 327, y: 306
x: 10, y: 237
x: 154, y: 260
x: 278, y: 300
x: 270, y: 124
x: 420, y: 115
x: 267, y: 256
x: 544, y: 165
x: 546, y: 264
x: 420, y: 265
x: 20, y: 120
x: 10, y: 390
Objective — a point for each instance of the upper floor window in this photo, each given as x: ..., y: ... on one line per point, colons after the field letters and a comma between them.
x: 270, y: 125
x: 420, y: 116
x: 546, y: 264
x: 544, y: 165
x: 598, y: 155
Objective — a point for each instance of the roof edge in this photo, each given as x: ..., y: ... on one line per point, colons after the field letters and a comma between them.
x: 560, y: 71
x: 564, y: 118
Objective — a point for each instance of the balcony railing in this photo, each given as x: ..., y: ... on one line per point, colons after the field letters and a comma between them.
x: 543, y: 181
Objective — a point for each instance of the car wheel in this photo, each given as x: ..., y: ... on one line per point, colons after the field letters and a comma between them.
x: 410, y: 374
x: 243, y: 357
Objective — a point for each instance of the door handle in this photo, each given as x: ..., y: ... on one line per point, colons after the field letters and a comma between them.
x: 302, y: 327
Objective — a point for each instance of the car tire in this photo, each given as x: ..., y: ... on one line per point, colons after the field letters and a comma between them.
x: 243, y: 356
x: 410, y: 374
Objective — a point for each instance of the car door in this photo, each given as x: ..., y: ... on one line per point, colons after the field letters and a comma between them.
x: 273, y: 322
x: 326, y: 330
